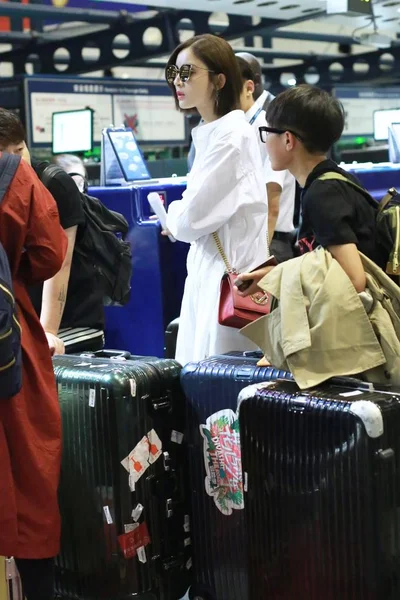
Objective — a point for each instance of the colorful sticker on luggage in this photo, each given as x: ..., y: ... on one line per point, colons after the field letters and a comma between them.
x: 223, y: 461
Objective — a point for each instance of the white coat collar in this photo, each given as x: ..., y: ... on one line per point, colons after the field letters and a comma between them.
x: 205, y: 129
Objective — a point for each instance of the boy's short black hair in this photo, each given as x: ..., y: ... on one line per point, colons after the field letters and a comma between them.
x: 314, y: 114
x: 11, y: 128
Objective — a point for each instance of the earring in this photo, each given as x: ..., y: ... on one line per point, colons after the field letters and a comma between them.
x: 217, y: 95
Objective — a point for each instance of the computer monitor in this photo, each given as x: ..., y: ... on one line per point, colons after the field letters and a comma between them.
x: 394, y: 143
x: 72, y: 131
x: 382, y: 120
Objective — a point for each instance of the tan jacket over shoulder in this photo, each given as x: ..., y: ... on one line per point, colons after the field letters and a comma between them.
x: 321, y: 328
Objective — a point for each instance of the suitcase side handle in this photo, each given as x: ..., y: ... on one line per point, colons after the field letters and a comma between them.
x: 113, y: 354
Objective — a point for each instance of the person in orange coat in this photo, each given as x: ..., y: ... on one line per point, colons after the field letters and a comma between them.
x: 30, y: 422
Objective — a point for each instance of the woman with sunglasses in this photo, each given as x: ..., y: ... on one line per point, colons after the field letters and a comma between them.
x: 225, y: 192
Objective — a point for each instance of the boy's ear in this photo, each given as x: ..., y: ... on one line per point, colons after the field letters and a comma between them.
x: 290, y: 141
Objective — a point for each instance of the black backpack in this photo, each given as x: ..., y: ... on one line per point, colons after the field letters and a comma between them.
x: 101, y: 242
x: 10, y: 329
x: 387, y: 220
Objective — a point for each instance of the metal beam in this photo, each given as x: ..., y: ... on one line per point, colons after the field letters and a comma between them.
x: 32, y: 11
x: 294, y: 35
x: 167, y: 23
x: 314, y: 37
x: 272, y: 53
x: 376, y: 66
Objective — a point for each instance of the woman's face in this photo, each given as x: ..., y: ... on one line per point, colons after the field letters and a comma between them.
x: 198, y: 91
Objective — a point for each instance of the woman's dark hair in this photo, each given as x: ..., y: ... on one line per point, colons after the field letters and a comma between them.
x: 218, y: 56
x: 311, y: 112
x: 246, y: 71
x: 11, y: 129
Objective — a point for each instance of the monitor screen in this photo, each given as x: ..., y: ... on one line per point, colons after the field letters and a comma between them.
x: 73, y: 131
x: 394, y: 143
x: 382, y: 120
x: 128, y: 154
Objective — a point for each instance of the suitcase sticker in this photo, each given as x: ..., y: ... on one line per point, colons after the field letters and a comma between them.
x: 222, y: 461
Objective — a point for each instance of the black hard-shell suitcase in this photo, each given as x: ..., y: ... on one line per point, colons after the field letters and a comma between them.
x: 171, y: 335
x: 211, y: 388
x: 322, y: 505
x: 122, y: 536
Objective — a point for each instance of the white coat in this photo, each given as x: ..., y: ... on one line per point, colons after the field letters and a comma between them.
x: 225, y: 193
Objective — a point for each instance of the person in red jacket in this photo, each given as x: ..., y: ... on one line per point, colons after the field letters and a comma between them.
x: 30, y: 422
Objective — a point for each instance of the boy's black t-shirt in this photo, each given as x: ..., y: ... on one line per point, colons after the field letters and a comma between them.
x: 334, y: 213
x: 84, y: 303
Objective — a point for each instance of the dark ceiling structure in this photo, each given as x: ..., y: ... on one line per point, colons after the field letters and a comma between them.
x: 106, y: 33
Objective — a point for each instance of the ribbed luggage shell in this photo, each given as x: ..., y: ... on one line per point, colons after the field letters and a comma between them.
x: 107, y: 407
x: 219, y: 554
x: 323, y: 501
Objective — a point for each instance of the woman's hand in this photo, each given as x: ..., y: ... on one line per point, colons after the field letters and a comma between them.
x: 165, y: 232
x: 255, y: 277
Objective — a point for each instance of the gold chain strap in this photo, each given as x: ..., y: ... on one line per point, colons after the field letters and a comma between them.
x: 221, y: 250
x: 222, y: 253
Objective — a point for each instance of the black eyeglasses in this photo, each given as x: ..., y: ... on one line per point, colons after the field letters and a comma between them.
x: 264, y: 131
x: 185, y: 72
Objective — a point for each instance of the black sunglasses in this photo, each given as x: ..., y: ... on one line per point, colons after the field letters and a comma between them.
x: 264, y: 131
x: 185, y: 72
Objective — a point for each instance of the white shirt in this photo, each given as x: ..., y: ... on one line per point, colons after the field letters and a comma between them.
x: 287, y: 182
x: 225, y: 193
x: 263, y: 98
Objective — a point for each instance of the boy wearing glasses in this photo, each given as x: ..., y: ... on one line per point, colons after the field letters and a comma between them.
x: 303, y: 124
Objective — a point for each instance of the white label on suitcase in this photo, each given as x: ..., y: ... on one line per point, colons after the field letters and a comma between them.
x: 131, y: 527
x: 141, y: 554
x: 145, y: 453
x: 107, y: 515
x: 92, y: 398
x: 371, y: 416
x: 222, y: 461
x: 189, y: 564
x: 350, y: 394
x: 246, y: 481
x: 187, y: 542
x: 176, y: 437
x: 186, y: 524
x: 132, y: 383
x: 136, y: 513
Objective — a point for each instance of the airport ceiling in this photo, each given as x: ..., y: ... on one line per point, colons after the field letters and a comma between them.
x: 80, y: 40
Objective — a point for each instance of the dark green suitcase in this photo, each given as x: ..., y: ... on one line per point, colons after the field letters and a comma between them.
x: 124, y: 534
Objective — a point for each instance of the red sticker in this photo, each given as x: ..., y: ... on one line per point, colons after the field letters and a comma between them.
x: 133, y: 540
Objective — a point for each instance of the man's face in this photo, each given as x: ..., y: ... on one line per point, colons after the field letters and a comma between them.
x: 15, y: 148
x: 21, y: 149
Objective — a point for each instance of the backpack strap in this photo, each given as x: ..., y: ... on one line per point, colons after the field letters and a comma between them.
x: 333, y: 176
x: 9, y: 163
x: 48, y: 173
x: 387, y: 198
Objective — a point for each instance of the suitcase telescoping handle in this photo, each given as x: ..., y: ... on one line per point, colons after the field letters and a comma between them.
x: 353, y: 383
x: 349, y: 382
x: 113, y: 354
x: 253, y: 354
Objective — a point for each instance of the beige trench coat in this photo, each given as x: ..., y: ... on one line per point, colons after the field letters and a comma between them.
x: 321, y: 328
